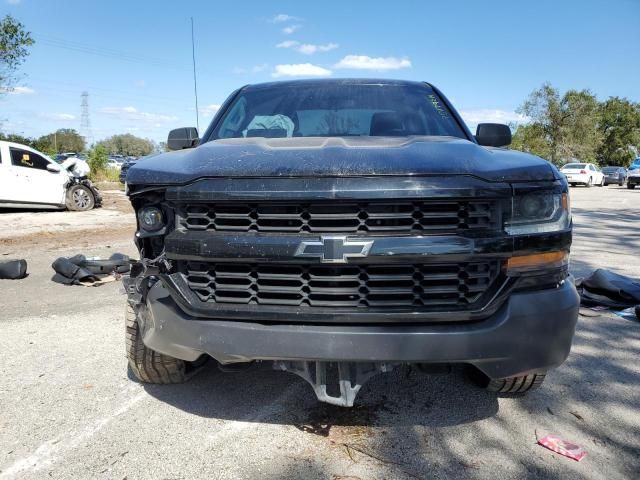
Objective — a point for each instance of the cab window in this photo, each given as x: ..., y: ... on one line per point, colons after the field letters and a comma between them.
x: 27, y: 159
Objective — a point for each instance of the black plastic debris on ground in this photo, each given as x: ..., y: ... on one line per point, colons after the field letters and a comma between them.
x: 13, y: 269
x: 607, y: 289
x: 89, y: 271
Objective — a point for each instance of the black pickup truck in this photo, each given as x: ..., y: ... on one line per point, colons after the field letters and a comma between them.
x: 341, y: 228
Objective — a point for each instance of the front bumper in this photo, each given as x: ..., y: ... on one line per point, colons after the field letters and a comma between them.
x: 531, y: 332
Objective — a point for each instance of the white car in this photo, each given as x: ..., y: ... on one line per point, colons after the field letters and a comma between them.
x: 114, y: 163
x: 583, y: 173
x: 28, y: 178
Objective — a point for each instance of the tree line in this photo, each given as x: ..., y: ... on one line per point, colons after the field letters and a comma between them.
x: 576, y: 126
x: 69, y: 140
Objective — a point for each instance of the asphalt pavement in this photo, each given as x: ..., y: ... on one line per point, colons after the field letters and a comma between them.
x: 69, y: 409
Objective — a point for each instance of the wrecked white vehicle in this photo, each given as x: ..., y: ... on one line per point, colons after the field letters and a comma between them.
x: 29, y: 179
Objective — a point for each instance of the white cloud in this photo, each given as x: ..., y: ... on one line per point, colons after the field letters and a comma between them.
x: 288, y: 44
x: 13, y: 2
x: 132, y: 113
x: 486, y: 115
x: 307, y: 48
x: 17, y: 90
x: 291, y: 29
x: 209, y: 110
x: 300, y: 70
x: 57, y: 116
x: 140, y: 83
x: 255, y: 69
x: 283, y: 17
x: 364, y: 62
x: 259, y: 68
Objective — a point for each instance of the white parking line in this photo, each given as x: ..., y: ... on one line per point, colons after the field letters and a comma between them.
x: 53, y: 450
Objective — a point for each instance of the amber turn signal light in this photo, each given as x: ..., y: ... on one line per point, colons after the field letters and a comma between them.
x: 538, y: 260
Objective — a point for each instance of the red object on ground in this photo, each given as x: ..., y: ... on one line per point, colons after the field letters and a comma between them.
x: 558, y: 445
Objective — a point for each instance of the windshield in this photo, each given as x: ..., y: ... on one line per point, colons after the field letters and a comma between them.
x: 337, y: 110
x: 575, y: 165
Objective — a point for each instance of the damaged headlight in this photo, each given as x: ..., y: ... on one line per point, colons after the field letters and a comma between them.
x: 151, y: 219
x: 539, y: 213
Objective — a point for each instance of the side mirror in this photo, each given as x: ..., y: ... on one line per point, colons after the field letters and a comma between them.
x: 181, y: 138
x: 52, y: 167
x: 493, y: 135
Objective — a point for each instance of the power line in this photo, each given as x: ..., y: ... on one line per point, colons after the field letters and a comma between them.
x: 109, y: 53
x: 45, y: 85
x: 113, y: 54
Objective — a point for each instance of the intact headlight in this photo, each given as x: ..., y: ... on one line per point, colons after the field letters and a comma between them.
x: 539, y: 213
x: 151, y: 219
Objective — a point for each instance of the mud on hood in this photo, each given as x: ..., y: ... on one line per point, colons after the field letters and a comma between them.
x: 338, y: 157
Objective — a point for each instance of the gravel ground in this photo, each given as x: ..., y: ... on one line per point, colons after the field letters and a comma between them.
x: 69, y: 410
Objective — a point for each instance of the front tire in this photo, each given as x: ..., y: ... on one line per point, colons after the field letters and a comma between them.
x: 148, y: 365
x: 80, y: 198
x: 630, y: 187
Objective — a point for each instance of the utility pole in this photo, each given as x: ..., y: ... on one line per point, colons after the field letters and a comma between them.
x: 195, y: 83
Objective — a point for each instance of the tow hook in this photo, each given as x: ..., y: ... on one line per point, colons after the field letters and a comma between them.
x: 327, y: 377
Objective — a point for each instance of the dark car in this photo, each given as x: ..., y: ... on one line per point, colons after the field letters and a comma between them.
x: 125, y: 168
x: 615, y: 175
x: 343, y: 228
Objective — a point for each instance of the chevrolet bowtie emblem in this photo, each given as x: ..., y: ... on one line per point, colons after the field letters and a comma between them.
x: 332, y: 249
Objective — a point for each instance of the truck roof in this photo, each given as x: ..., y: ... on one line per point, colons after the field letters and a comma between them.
x: 333, y: 81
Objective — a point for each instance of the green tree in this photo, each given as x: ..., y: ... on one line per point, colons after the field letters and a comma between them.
x: 62, y: 140
x: 531, y: 139
x: 15, y: 138
x: 127, y: 144
x: 561, y: 128
x: 97, y: 159
x: 14, y: 40
x: 620, y: 127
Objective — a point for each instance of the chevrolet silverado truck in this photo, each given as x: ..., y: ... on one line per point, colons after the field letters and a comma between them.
x: 343, y: 228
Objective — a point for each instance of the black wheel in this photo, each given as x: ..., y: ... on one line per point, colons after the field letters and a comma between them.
x: 589, y: 183
x: 621, y: 183
x: 508, y: 385
x: 149, y: 366
x: 80, y: 198
x: 573, y: 184
x: 630, y: 187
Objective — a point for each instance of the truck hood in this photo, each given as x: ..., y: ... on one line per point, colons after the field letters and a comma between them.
x: 338, y: 157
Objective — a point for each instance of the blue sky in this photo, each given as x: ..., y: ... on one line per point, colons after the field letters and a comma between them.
x: 134, y: 57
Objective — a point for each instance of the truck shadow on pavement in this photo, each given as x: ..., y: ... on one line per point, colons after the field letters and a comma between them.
x: 405, y: 396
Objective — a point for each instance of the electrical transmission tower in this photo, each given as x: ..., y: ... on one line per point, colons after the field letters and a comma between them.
x: 85, y: 124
